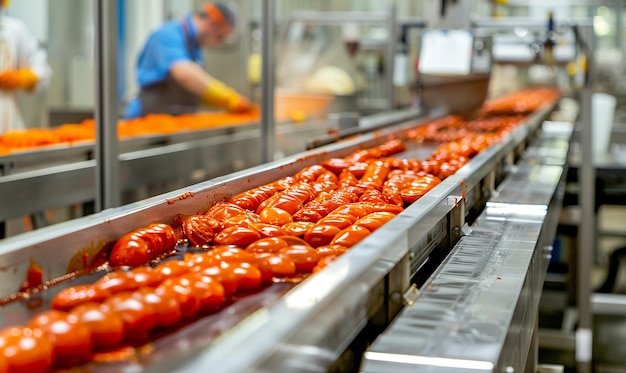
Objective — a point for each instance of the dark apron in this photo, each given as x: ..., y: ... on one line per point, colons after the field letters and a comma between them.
x: 169, y: 97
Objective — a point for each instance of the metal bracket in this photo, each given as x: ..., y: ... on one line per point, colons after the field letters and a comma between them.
x: 466, y: 230
x: 547, y: 251
x: 456, y: 218
x: 509, y: 160
x: 411, y: 295
x: 489, y: 184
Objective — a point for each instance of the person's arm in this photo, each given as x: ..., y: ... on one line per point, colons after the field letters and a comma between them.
x: 32, y: 69
x: 212, y: 92
x: 191, y: 76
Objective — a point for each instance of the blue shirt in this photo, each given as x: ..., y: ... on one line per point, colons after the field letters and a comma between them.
x: 170, y: 43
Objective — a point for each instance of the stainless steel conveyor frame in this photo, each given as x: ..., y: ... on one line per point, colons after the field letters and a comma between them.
x: 313, y: 323
x: 478, y: 311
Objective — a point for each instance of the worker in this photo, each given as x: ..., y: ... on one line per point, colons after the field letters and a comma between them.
x: 23, y: 66
x: 170, y: 77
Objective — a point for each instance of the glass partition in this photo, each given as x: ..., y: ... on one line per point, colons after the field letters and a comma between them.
x: 43, y: 150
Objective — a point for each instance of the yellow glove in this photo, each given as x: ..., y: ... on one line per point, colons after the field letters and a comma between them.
x: 22, y: 78
x: 220, y: 95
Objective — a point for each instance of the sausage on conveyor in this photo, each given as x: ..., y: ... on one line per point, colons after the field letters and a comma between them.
x: 323, y: 205
x: 251, y: 199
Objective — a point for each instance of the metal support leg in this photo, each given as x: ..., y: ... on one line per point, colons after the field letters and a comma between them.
x: 397, y: 284
x: 39, y: 219
x: 533, y: 351
x: 107, y: 167
x: 268, y: 136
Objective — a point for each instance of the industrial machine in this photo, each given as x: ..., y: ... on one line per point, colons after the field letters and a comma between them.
x: 452, y: 284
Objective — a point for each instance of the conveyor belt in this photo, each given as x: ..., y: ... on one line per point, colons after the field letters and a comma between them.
x: 478, y: 311
x: 306, y: 329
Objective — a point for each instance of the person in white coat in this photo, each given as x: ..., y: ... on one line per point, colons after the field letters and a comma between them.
x: 23, y: 66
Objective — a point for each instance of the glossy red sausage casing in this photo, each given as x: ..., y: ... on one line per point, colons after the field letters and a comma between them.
x: 350, y: 236
x: 71, y: 339
x: 25, y: 350
x: 321, y: 235
x: 304, y: 257
x: 237, y: 235
x: 73, y: 296
x: 143, y: 245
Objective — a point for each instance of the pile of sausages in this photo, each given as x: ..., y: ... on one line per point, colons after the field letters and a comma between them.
x: 523, y: 101
x: 456, y: 128
x: 285, y: 229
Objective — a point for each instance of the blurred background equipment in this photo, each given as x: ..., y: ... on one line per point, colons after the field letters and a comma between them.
x: 513, y: 261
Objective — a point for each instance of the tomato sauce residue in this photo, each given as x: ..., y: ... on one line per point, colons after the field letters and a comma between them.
x: 13, y: 298
x: 463, y: 189
x: 125, y: 353
x: 318, y: 156
x: 89, y: 257
x: 180, y: 198
x: 34, y: 276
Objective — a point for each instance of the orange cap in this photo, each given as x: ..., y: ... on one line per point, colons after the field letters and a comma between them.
x: 216, y: 15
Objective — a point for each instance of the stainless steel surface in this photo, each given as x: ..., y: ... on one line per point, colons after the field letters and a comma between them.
x: 268, y: 133
x: 366, y: 124
x: 52, y: 187
x: 608, y: 304
x: 454, y: 94
x: 532, y: 23
x: 557, y: 339
x: 390, y: 54
x: 462, y: 319
x: 310, y: 326
x: 587, y: 228
x: 343, y: 121
x: 538, y: 189
x: 106, y: 102
x: 339, y: 18
x: 477, y: 312
x: 65, y: 153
